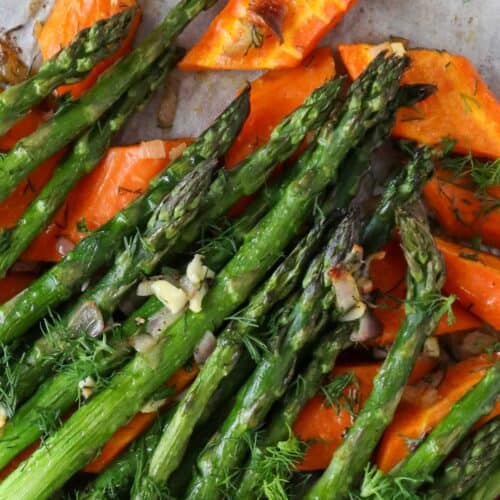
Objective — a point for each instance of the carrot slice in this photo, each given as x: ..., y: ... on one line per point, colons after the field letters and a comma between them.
x: 272, y: 98
x: 474, y: 277
x: 460, y: 211
x: 324, y: 427
x: 137, y: 425
x: 25, y: 126
x: 264, y: 34
x: 463, y: 107
x: 122, y: 175
x: 12, y: 284
x: 67, y: 18
x: 413, y: 420
x: 388, y: 277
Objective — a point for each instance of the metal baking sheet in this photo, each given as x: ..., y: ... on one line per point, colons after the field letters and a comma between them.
x: 468, y: 27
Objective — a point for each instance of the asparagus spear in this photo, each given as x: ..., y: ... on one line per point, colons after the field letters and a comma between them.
x: 224, y: 359
x: 86, y: 153
x: 99, y: 248
x: 71, y: 121
x: 142, y: 257
x: 118, y: 477
x: 71, y: 64
x: 429, y: 455
x: 423, y: 310
x: 409, y: 181
x: 87, y: 429
x: 475, y: 455
x: 61, y: 391
x: 487, y: 485
x: 228, y: 447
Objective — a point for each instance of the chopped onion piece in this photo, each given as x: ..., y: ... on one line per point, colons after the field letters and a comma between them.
x: 64, y: 246
x: 205, y: 348
x: 174, y: 298
x: 87, y: 386
x: 160, y: 321
x: 347, y: 295
x: 369, y: 328
x: 153, y: 406
x: 87, y: 319
x: 142, y: 342
x: 431, y: 347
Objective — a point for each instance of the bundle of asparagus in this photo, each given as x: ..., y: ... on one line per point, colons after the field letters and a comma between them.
x: 273, y: 309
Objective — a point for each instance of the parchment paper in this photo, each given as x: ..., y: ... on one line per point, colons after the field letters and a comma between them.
x: 469, y: 27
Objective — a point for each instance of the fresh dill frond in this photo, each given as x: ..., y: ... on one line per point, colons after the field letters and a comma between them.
x: 255, y: 346
x: 8, y: 382
x: 47, y: 421
x: 435, y: 305
x: 342, y: 393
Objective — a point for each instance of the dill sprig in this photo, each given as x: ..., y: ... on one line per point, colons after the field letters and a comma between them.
x: 8, y: 382
x: 342, y: 393
x: 47, y: 421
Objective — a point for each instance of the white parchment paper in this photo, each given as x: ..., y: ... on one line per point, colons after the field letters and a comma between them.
x: 469, y: 27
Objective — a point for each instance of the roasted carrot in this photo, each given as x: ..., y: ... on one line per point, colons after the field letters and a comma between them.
x: 25, y: 126
x: 474, y: 277
x: 463, y: 212
x: 12, y: 284
x: 388, y: 277
x: 463, y: 108
x: 138, y: 424
x: 67, y: 18
x: 264, y: 34
x: 323, y: 426
x: 414, y: 419
x: 122, y: 175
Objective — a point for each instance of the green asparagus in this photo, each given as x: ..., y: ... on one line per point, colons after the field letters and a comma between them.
x: 85, y: 155
x: 144, y: 254
x: 269, y: 381
x: 486, y: 485
x: 423, y: 308
x: 223, y: 360
x: 98, y: 249
x: 479, y: 401
x: 88, y: 428
x: 69, y: 65
x: 72, y: 120
x: 475, y: 455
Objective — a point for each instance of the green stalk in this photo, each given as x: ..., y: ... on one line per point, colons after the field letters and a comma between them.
x: 85, y: 155
x: 425, y: 460
x: 423, y: 309
x: 72, y: 120
x: 282, y: 419
x: 144, y: 254
x: 474, y: 457
x: 100, y: 247
x: 486, y: 485
x: 69, y: 65
x: 227, y: 449
x: 86, y: 430
x: 224, y: 359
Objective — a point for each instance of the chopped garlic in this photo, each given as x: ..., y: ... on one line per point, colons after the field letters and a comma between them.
x: 142, y: 342
x: 196, y: 271
x: 87, y: 386
x: 3, y: 417
x: 174, y: 298
x: 197, y: 299
x: 153, y: 406
x: 431, y: 347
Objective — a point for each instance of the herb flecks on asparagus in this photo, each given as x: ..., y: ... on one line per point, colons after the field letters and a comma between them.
x: 100, y: 247
x: 74, y: 119
x: 423, y: 307
x: 69, y: 65
x: 85, y: 155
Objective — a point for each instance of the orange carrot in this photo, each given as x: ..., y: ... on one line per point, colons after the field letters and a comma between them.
x: 474, y: 277
x: 324, y: 427
x: 122, y: 175
x: 67, y: 18
x: 413, y: 420
x: 25, y: 126
x: 15, y: 462
x: 388, y: 277
x: 12, y: 284
x: 463, y: 107
x: 460, y: 211
x: 137, y: 425
x: 264, y: 34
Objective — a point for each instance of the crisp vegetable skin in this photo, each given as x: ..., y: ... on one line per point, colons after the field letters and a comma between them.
x: 264, y: 34
x: 272, y: 98
x: 122, y: 175
x: 67, y: 18
x: 388, y: 277
x: 323, y: 426
x: 463, y: 107
x: 417, y: 418
x: 462, y: 212
x: 474, y: 277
